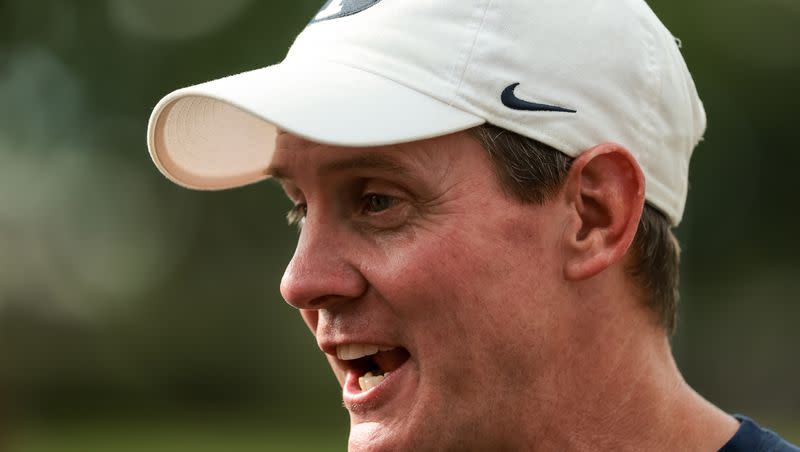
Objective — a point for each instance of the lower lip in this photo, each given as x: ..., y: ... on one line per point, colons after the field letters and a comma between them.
x: 356, y: 400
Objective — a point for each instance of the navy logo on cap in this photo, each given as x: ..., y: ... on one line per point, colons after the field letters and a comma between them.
x: 513, y: 102
x: 334, y: 9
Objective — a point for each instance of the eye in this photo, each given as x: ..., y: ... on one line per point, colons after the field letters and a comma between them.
x: 375, y: 203
x: 297, y: 214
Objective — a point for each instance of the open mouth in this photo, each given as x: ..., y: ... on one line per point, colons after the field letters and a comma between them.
x: 371, y: 363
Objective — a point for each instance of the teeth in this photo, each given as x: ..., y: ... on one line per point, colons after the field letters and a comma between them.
x: 354, y: 351
x: 369, y: 381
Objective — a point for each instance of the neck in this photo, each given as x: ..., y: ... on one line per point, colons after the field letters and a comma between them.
x: 625, y: 392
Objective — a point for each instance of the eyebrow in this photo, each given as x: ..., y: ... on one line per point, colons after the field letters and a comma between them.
x: 371, y: 161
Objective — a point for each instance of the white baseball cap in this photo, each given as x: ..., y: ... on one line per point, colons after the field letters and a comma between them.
x: 375, y: 72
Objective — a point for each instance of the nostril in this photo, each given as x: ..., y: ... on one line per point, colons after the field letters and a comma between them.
x: 323, y: 302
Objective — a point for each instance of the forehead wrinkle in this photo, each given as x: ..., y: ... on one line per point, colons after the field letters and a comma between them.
x: 371, y: 161
x: 381, y: 158
x: 376, y: 160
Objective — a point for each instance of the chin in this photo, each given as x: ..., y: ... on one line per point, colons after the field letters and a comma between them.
x: 375, y: 437
x: 410, y: 433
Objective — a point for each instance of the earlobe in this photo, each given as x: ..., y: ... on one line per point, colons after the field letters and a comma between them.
x: 605, y: 192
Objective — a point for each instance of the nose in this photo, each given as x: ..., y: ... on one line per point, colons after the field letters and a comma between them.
x: 322, y: 272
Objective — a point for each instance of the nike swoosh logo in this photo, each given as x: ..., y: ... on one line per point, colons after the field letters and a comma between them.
x: 513, y: 102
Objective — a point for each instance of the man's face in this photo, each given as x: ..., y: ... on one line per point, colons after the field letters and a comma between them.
x: 415, y: 251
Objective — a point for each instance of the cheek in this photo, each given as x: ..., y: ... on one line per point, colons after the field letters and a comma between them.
x: 482, y: 291
x: 471, y: 269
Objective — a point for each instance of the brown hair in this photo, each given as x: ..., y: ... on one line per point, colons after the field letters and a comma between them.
x: 532, y: 171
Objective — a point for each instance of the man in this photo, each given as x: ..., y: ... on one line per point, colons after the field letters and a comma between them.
x: 485, y: 191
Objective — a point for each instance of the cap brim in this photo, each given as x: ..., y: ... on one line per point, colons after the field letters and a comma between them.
x: 221, y: 134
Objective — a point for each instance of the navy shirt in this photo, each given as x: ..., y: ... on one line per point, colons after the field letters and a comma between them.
x: 752, y: 438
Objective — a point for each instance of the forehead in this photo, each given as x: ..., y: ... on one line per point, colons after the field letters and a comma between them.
x: 297, y: 157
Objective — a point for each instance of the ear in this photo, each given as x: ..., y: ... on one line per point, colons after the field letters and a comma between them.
x: 605, y: 193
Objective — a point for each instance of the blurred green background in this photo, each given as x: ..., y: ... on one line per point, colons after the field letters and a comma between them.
x: 136, y: 315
